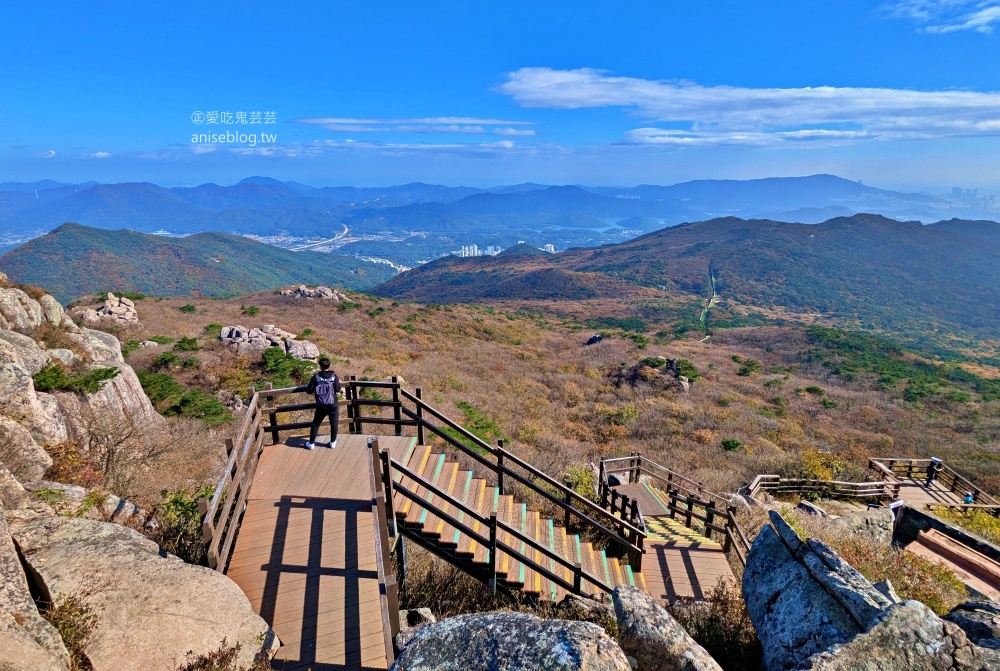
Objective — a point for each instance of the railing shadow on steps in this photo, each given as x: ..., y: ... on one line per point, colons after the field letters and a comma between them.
x: 221, y: 514
x: 466, y: 523
x: 687, y: 500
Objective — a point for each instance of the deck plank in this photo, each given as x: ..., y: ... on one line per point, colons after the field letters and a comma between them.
x: 305, y: 554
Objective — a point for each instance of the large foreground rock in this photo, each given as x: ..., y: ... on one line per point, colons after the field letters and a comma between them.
x: 650, y: 634
x: 794, y: 615
x: 814, y: 611
x: 151, y: 608
x: 907, y: 637
x: 27, y: 641
x: 505, y: 641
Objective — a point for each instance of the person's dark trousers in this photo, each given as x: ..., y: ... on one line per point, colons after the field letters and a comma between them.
x: 322, y: 412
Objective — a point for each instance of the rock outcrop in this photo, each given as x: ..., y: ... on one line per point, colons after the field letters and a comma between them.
x: 321, y: 292
x: 93, y: 504
x: 980, y: 620
x: 116, y: 310
x: 410, y: 622
x: 794, y: 615
x: 814, y: 611
x: 653, y: 637
x: 54, y: 417
x: 27, y: 641
x: 875, y: 524
x: 253, y: 341
x: 20, y: 453
x: 120, y: 404
x: 510, y: 642
x: 907, y: 637
x: 151, y: 608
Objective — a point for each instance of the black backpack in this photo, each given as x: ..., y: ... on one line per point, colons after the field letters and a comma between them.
x: 326, y: 393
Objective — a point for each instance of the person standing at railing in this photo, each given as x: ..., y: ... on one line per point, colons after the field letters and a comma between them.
x: 326, y: 386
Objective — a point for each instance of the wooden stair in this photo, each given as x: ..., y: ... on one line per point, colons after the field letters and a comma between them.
x: 512, y: 574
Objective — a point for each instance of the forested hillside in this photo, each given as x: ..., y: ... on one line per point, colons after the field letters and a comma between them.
x: 866, y: 271
x: 74, y: 261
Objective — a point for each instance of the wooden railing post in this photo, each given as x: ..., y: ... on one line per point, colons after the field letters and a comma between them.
x: 493, y: 553
x: 271, y: 415
x: 358, y: 425
x: 206, y: 523
x: 420, y: 416
x: 690, y: 509
x: 578, y: 578
x: 392, y: 602
x: 229, y: 446
x: 351, y: 407
x: 500, y: 467
x: 569, y: 501
x: 614, y: 501
x: 727, y: 542
x: 709, y: 519
x: 605, y: 497
x: 673, y: 503
x: 397, y: 413
x: 387, y: 484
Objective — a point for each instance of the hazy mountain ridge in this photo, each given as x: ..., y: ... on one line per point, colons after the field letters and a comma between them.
x: 75, y: 260
x: 255, y: 202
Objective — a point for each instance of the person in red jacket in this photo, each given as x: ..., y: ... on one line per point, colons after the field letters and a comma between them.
x: 326, y: 386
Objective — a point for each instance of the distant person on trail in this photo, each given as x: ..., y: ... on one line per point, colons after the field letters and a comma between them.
x: 326, y: 385
x: 969, y: 498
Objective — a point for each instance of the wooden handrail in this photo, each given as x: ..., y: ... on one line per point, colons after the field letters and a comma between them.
x: 641, y: 464
x: 388, y: 592
x: 500, y: 467
x: 490, y: 522
x: 862, y: 490
x: 221, y: 512
x: 945, y: 474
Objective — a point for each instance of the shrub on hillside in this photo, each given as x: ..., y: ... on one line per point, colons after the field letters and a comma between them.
x: 187, y: 345
x: 171, y: 398
x: 225, y: 658
x: 187, y: 308
x: 283, y: 370
x: 721, y: 624
x: 179, y: 530
x: 977, y: 521
x: 54, y: 377
x: 75, y: 621
x: 73, y: 465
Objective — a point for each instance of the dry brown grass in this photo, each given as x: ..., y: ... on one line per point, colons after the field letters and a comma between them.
x: 558, y: 402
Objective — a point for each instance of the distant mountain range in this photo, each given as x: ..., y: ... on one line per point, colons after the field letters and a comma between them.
x: 866, y: 270
x: 74, y: 261
x: 265, y: 206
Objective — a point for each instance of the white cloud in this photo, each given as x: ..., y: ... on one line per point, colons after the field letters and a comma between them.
x: 948, y: 16
x: 98, y: 154
x: 751, y: 115
x: 466, y: 149
x: 514, y: 132
x: 44, y: 154
x: 446, y: 124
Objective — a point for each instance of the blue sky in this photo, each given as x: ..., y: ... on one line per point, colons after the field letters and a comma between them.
x: 898, y: 93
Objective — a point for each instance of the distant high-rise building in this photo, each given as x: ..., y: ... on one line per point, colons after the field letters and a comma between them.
x: 550, y: 248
